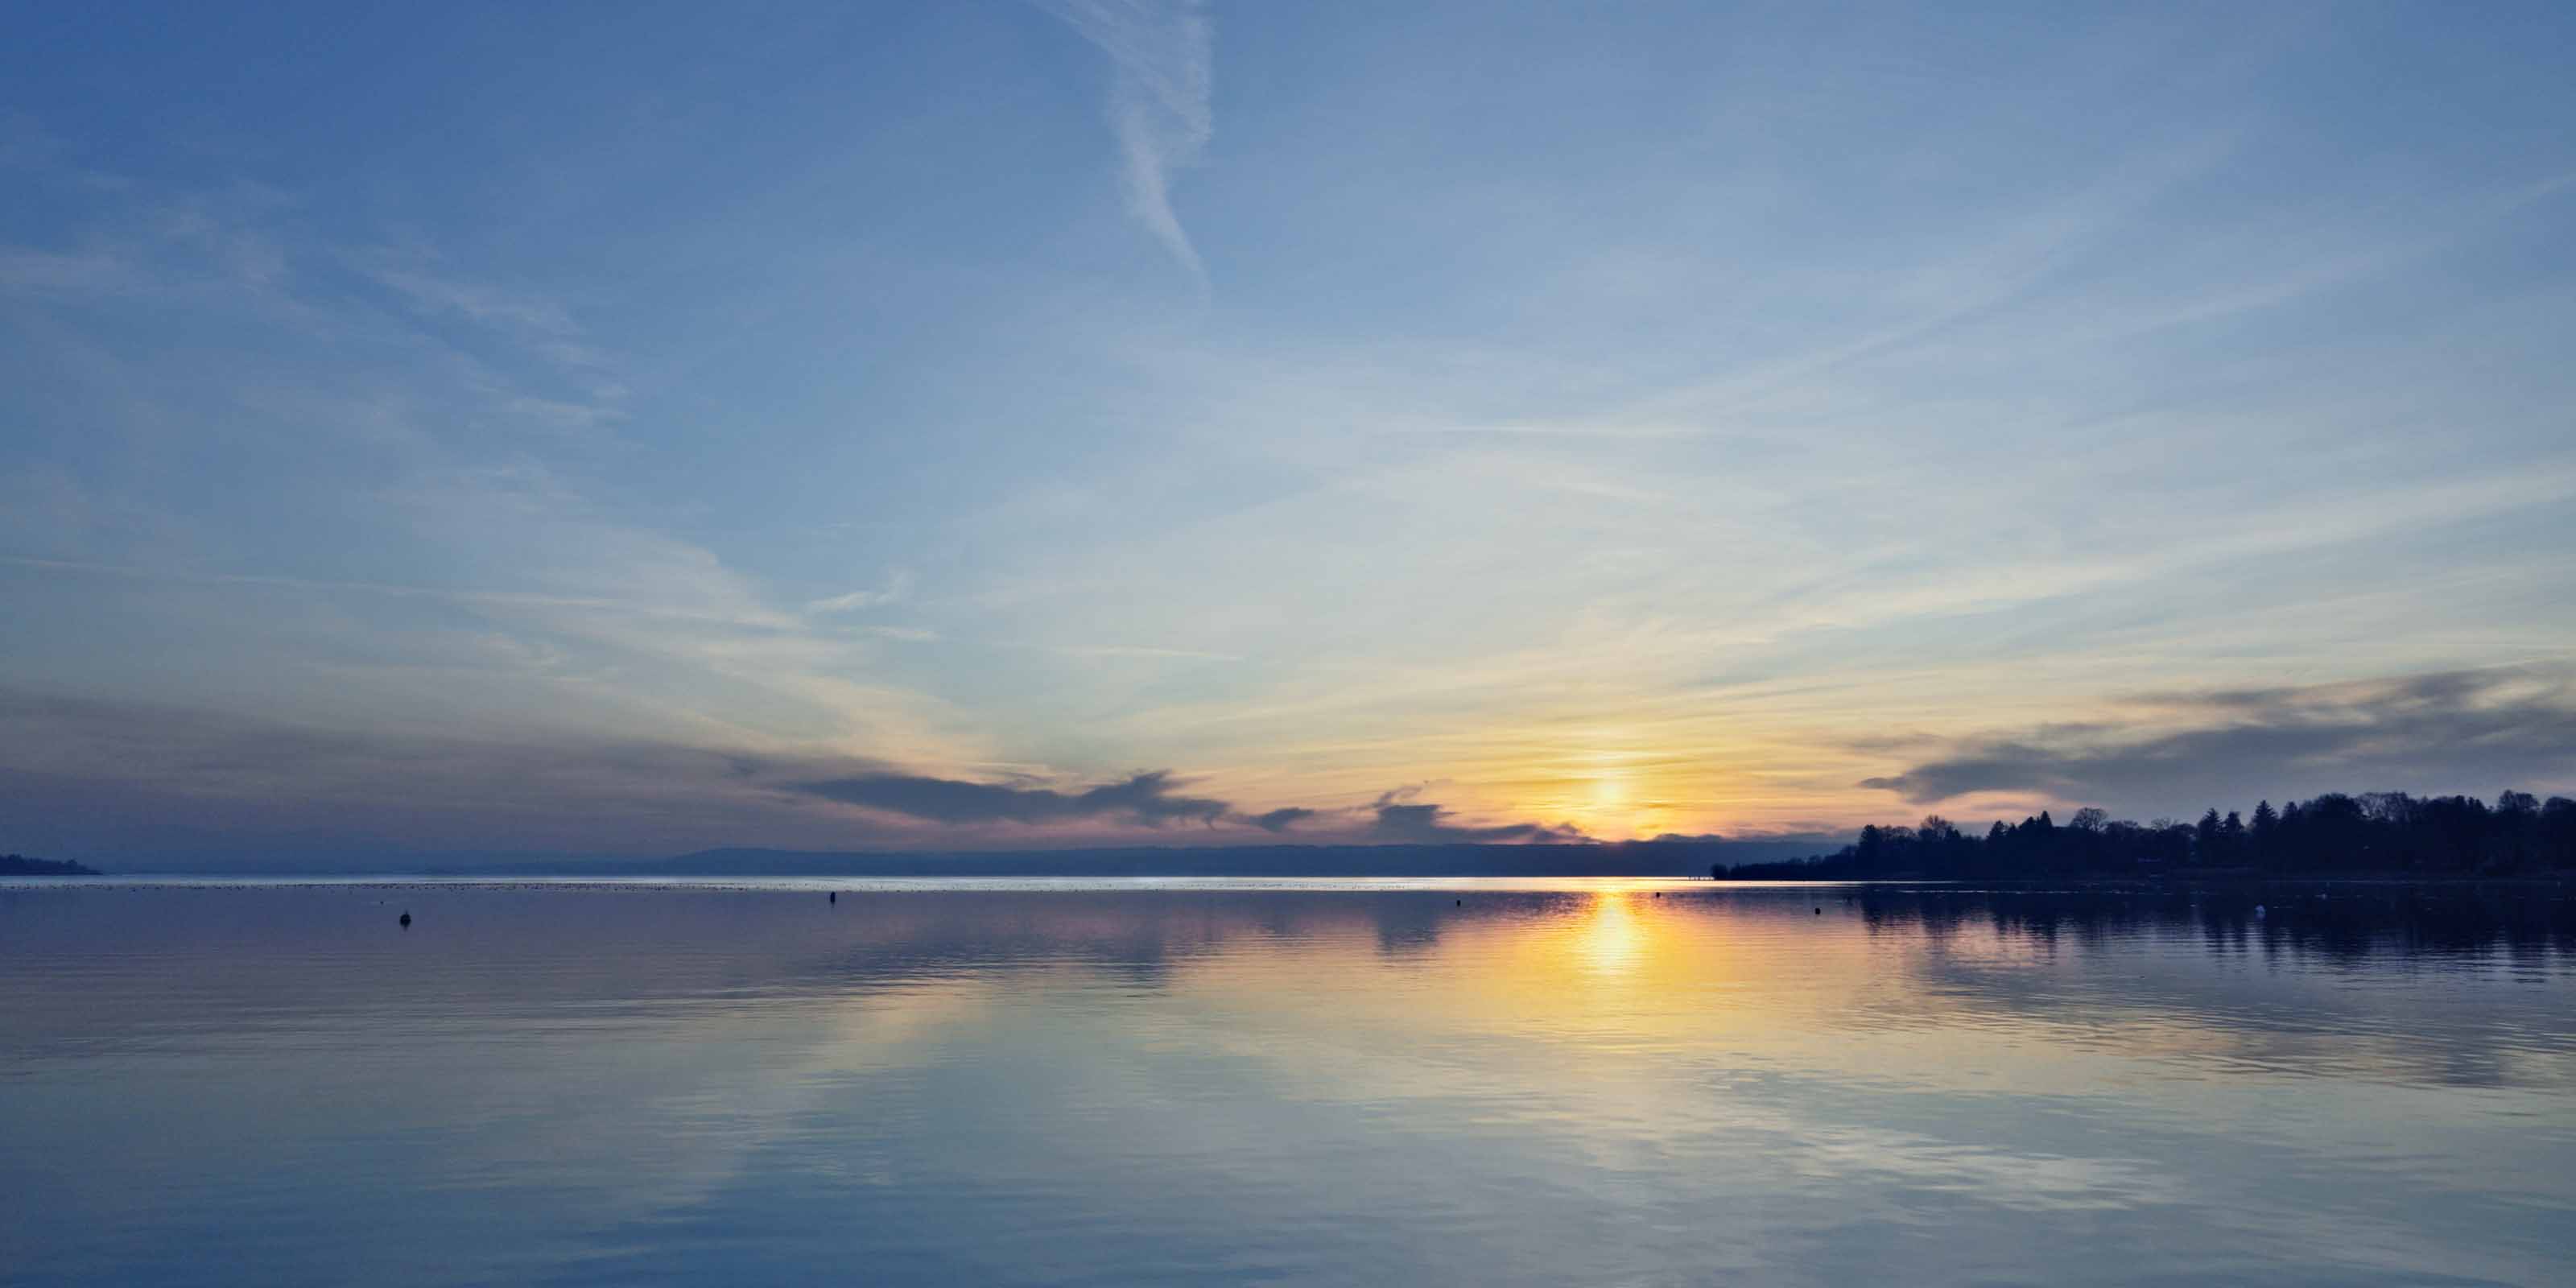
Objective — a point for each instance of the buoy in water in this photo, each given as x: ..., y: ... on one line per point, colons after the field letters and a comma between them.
x: 833, y: 897
x: 405, y: 921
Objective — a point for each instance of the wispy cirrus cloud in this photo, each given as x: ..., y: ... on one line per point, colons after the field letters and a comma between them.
x: 1159, y: 99
x: 897, y: 588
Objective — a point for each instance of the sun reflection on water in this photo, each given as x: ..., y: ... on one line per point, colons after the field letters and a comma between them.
x: 1611, y: 941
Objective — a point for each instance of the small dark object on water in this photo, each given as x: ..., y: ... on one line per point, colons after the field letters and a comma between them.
x: 833, y: 897
x: 406, y: 921
x: 1820, y: 912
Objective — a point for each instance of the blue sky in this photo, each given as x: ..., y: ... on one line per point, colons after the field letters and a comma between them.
x: 625, y: 429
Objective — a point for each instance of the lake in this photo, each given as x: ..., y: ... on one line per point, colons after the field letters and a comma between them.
x: 1418, y: 1082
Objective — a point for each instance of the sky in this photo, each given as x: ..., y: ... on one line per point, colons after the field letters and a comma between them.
x: 627, y: 429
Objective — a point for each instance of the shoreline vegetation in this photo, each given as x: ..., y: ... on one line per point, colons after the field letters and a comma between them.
x: 2371, y: 836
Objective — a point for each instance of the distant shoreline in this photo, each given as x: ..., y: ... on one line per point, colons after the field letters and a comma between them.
x: 1296, y: 881
x: 2163, y: 880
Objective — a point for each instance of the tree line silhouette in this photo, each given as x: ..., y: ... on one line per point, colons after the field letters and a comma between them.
x: 2375, y: 832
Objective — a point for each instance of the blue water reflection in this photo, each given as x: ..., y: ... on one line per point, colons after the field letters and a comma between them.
x: 1596, y: 1082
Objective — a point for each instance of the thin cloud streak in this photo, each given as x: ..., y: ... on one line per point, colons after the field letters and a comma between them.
x: 897, y: 589
x: 1159, y: 100
x: 444, y: 593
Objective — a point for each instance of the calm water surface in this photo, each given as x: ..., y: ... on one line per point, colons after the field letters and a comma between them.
x: 1483, y: 1082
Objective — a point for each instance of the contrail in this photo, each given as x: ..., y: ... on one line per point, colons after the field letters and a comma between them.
x: 1159, y: 101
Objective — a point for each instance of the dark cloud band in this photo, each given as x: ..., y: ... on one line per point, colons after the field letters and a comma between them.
x: 2479, y: 729
x: 1145, y: 798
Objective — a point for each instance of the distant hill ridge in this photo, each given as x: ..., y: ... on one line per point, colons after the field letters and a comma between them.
x: 1641, y: 858
x: 1664, y: 856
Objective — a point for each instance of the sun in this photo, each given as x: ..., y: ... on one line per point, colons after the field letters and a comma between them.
x: 1610, y: 803
x: 1609, y: 792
